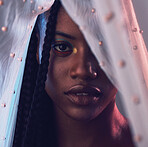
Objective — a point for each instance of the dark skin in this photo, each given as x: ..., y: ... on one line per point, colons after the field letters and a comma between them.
x: 82, y: 125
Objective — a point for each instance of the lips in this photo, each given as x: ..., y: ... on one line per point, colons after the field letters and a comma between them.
x: 84, y: 95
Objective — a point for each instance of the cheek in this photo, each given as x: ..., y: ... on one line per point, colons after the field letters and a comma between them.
x: 110, y: 92
x: 57, y: 73
x: 108, y: 88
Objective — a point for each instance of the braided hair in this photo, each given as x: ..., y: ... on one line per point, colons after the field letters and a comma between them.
x: 35, y: 118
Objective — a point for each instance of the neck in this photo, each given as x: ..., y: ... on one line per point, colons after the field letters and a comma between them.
x: 104, y: 130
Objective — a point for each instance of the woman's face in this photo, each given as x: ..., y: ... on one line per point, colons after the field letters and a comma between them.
x: 75, y: 82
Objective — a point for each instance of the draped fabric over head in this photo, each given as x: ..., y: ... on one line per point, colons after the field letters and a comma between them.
x: 112, y: 32
x: 17, y: 19
x: 122, y: 53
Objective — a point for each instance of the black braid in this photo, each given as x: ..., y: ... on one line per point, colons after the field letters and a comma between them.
x: 27, y: 90
x: 38, y: 131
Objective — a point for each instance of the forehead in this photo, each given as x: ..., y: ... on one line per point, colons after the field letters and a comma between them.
x: 66, y: 24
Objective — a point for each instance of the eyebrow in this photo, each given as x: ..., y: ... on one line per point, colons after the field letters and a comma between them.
x: 65, y: 35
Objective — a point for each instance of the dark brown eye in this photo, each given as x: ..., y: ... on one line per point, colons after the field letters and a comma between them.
x: 62, y: 48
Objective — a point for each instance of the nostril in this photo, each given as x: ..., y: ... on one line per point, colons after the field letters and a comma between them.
x: 73, y: 75
x: 83, y: 73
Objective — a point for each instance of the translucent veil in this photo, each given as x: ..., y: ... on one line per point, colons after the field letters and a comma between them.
x: 111, y: 30
x: 17, y: 19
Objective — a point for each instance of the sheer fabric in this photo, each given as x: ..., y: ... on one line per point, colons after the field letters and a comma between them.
x: 141, y: 14
x: 17, y: 19
x: 111, y: 30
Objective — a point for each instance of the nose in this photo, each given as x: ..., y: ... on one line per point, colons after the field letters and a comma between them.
x: 84, y: 67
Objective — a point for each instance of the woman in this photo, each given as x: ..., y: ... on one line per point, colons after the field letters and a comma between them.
x: 72, y: 104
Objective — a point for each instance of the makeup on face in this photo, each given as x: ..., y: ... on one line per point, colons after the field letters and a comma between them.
x: 71, y: 82
x: 62, y: 47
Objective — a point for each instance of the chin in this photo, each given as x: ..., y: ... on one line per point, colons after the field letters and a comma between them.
x: 83, y: 114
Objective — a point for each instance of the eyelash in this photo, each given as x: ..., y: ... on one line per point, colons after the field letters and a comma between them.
x: 62, y: 48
